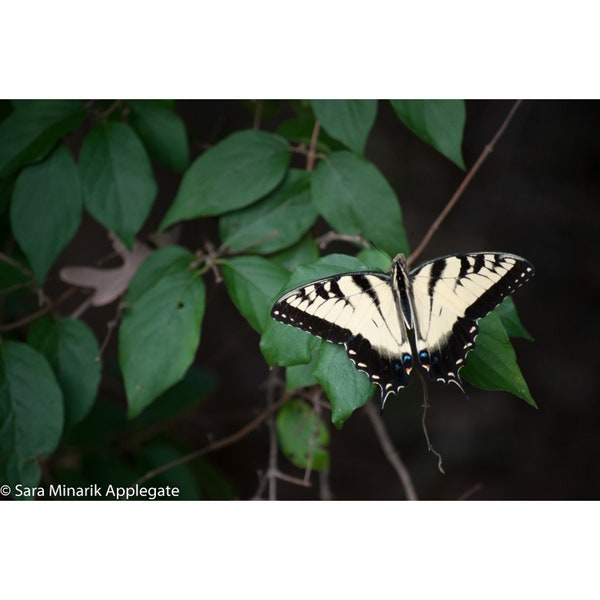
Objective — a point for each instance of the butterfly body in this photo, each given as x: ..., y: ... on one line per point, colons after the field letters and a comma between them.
x: 387, y: 323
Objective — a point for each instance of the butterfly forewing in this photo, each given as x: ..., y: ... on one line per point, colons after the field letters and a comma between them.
x: 358, y: 310
x: 449, y: 295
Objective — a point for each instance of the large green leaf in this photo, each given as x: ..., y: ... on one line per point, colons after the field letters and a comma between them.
x: 159, y: 336
x: 235, y: 173
x: 303, y: 438
x: 46, y: 209
x: 354, y: 197
x: 72, y: 351
x: 348, y: 121
x: 252, y: 283
x: 302, y: 253
x: 162, y: 262
x: 162, y: 131
x: 438, y: 122
x: 275, y: 222
x: 492, y: 365
x: 346, y: 388
x: 118, y: 183
x: 28, y: 133
x: 31, y: 412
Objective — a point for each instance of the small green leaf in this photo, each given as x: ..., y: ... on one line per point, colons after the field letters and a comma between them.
x: 253, y: 283
x: 277, y: 221
x: 492, y: 365
x: 375, y: 259
x: 305, y: 251
x: 286, y: 346
x: 440, y: 123
x: 235, y: 173
x: 46, y: 209
x: 162, y: 131
x: 348, y: 121
x: 117, y: 179
x: 346, y: 388
x: 507, y: 311
x: 72, y: 351
x: 31, y: 131
x: 303, y: 438
x: 162, y: 262
x: 31, y: 412
x: 354, y: 197
x: 298, y: 376
x: 159, y: 336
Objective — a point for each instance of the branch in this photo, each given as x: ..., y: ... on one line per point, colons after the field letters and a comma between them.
x: 222, y: 443
x: 461, y: 188
x: 390, y: 452
x: 311, y: 154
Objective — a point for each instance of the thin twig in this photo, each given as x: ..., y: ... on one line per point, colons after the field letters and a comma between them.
x: 39, y: 313
x: 470, y: 492
x: 257, y: 114
x: 390, y: 452
x: 311, y: 154
x: 332, y: 236
x: 273, y: 443
x: 222, y: 443
x: 461, y: 188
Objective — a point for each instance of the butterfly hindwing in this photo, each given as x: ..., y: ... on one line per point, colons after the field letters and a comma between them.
x: 449, y: 295
x: 358, y: 310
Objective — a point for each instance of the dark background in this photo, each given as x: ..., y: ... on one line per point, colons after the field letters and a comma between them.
x: 537, y: 196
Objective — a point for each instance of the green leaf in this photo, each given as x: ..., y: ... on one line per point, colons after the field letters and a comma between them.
x: 346, y: 388
x: 375, y: 259
x: 118, y: 183
x: 235, y: 173
x: 507, y: 311
x: 298, y: 376
x: 30, y: 132
x: 286, y: 346
x: 354, y: 197
x: 72, y: 351
x: 253, y: 283
x: 492, y: 365
x: 46, y: 209
x: 277, y: 221
x: 348, y: 121
x: 162, y: 131
x: 159, y: 336
x: 31, y: 412
x: 303, y: 438
x: 440, y: 123
x: 305, y: 251
x: 162, y: 262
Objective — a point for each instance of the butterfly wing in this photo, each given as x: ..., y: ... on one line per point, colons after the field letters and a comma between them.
x: 449, y: 295
x: 357, y: 310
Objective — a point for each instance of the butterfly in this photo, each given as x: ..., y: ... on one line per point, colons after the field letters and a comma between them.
x: 388, y: 322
